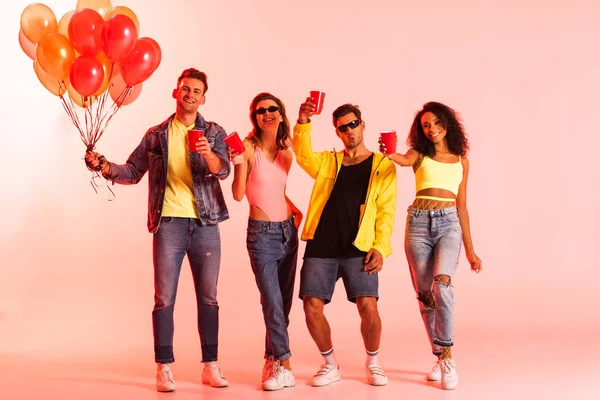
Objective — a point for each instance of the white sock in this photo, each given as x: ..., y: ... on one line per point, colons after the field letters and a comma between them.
x: 162, y: 366
x: 211, y: 364
x: 372, y: 357
x: 329, y: 357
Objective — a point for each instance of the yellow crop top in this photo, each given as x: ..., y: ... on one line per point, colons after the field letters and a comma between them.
x: 439, y: 175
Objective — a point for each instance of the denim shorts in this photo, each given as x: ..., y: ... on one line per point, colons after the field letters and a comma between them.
x: 319, y: 275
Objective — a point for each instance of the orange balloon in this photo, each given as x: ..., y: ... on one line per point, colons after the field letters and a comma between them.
x: 110, y: 71
x: 117, y: 87
x: 100, y: 6
x: 83, y: 102
x: 27, y: 47
x: 63, y: 24
x: 125, y: 11
x: 55, y: 55
x: 37, y: 20
x: 54, y: 86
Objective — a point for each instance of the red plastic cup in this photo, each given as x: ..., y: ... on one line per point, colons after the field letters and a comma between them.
x: 235, y: 143
x: 389, y: 140
x: 318, y: 98
x: 193, y: 136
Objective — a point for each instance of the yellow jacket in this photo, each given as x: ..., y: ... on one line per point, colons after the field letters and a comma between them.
x: 376, y: 216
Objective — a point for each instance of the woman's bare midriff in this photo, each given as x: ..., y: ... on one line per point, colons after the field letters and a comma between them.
x: 449, y: 199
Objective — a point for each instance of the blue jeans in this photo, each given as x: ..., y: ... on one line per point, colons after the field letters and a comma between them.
x: 175, y: 238
x: 273, y: 251
x: 432, y: 242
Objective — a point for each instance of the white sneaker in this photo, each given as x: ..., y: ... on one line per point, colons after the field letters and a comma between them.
x: 449, y: 375
x: 375, y: 375
x: 268, y: 369
x: 436, y: 372
x: 326, y: 375
x: 211, y: 375
x: 164, y: 378
x: 279, y: 379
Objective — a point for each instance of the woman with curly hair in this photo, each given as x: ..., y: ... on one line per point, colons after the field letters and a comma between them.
x: 260, y: 173
x: 436, y: 224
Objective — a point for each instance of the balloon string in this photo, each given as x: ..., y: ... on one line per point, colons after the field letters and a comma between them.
x: 101, y: 100
x: 116, y: 106
x: 95, y: 118
x: 95, y: 185
x: 70, y: 110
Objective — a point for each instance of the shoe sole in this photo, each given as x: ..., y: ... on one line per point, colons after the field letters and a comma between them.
x: 165, y: 390
x: 433, y: 380
x: 281, y: 388
x: 208, y: 383
x: 377, y: 384
x: 450, y: 386
x: 328, y: 383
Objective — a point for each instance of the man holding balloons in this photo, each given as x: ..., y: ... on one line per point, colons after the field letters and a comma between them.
x: 95, y: 51
x: 185, y: 205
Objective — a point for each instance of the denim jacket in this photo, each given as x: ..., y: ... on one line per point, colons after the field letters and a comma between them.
x: 151, y: 155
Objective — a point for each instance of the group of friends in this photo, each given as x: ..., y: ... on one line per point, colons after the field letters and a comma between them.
x: 347, y: 229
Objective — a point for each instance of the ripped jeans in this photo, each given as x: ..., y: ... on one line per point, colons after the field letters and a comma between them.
x: 432, y: 243
x: 175, y: 238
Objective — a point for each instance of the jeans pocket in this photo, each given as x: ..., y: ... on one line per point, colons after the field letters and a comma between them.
x: 256, y: 241
x: 257, y: 229
x: 451, y: 217
x: 166, y: 220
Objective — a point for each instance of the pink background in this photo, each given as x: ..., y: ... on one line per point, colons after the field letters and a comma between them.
x: 76, y: 269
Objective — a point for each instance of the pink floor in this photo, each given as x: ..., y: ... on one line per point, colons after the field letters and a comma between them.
x: 554, y: 364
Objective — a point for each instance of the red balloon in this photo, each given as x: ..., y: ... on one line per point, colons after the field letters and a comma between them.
x: 157, y: 48
x: 85, y: 31
x: 86, y: 75
x: 140, y: 63
x: 119, y: 36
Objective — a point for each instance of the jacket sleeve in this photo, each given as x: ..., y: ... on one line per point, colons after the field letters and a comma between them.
x: 134, y: 169
x: 301, y: 143
x: 220, y: 149
x: 386, y: 210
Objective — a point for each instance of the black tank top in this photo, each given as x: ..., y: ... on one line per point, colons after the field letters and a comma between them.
x: 338, y: 225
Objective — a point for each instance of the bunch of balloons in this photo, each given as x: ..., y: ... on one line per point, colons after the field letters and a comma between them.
x: 91, y: 53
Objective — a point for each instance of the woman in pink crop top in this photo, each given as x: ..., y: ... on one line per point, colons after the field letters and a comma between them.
x: 260, y: 173
x: 436, y: 224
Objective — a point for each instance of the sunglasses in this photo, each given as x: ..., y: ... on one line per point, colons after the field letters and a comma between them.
x: 350, y: 125
x: 263, y: 110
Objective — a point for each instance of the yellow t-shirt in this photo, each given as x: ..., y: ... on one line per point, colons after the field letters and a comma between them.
x: 180, y: 200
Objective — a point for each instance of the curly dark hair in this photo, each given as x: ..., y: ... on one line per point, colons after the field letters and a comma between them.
x: 455, y: 132
x: 345, y: 109
x: 283, y: 131
x: 194, y: 74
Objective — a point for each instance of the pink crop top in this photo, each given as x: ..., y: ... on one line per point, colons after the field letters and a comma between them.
x: 265, y: 188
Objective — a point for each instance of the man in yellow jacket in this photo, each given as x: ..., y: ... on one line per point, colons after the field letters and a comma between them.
x: 348, y: 230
